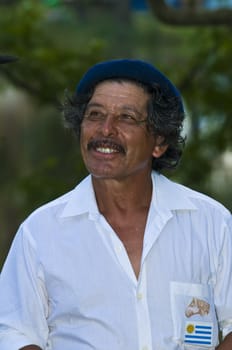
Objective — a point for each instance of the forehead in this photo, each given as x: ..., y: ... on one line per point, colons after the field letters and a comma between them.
x: 120, y: 92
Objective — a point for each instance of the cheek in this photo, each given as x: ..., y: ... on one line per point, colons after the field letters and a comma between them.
x: 83, y: 143
x: 142, y: 143
x: 84, y: 135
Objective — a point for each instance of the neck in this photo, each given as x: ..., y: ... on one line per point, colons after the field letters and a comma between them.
x: 125, y: 196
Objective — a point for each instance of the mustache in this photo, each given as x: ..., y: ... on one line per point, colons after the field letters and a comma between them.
x: 109, y: 143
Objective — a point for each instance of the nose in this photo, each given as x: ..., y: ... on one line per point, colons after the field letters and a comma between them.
x: 108, y: 125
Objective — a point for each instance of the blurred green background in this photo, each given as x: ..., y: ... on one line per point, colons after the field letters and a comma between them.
x: 56, y: 41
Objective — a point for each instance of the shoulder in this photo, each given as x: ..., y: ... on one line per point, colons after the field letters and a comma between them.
x: 51, y: 212
x: 203, y: 201
x: 177, y: 196
x: 54, y: 207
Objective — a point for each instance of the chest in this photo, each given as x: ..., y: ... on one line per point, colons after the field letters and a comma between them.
x: 131, y: 233
x: 86, y: 268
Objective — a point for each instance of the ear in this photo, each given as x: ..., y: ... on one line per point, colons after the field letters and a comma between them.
x: 159, y: 148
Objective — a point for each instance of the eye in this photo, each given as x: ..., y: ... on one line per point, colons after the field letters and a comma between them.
x: 94, y: 115
x: 125, y: 117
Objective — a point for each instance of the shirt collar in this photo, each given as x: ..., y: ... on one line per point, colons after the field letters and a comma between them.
x: 82, y: 200
x: 166, y: 195
x: 170, y: 195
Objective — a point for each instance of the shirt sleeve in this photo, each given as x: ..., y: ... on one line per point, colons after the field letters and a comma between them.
x: 223, y: 290
x: 23, y: 299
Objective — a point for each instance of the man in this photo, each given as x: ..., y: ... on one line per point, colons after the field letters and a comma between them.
x: 128, y: 260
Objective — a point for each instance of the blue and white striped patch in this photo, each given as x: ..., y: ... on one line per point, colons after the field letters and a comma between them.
x: 199, y: 333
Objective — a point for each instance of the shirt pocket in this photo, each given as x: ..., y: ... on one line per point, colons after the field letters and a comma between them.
x: 193, y: 315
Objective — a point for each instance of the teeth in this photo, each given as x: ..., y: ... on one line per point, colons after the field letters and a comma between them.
x: 106, y: 150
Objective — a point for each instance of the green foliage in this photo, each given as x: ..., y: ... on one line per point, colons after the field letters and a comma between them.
x: 39, y: 160
x: 208, y: 97
x: 51, y: 2
x: 50, y: 57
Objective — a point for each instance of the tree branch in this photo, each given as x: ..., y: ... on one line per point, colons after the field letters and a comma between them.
x: 20, y: 83
x: 191, y: 16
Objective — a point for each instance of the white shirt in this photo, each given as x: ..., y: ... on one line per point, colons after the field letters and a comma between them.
x: 68, y: 284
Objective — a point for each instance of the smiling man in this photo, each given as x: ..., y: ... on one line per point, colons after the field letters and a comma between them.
x: 115, y: 263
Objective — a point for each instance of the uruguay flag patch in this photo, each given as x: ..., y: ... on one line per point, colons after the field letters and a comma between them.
x: 198, y: 333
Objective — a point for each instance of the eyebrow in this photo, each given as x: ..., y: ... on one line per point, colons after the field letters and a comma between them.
x: 94, y: 104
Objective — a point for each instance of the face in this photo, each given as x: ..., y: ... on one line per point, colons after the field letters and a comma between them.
x: 115, y: 142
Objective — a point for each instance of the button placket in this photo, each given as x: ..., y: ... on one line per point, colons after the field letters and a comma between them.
x: 143, y: 319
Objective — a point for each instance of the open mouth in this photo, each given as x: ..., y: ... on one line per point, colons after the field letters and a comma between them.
x: 106, y: 146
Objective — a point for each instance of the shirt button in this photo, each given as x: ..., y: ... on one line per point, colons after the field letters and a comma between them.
x: 139, y: 297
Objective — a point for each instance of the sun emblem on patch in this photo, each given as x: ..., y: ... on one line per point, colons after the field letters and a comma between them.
x: 190, y: 328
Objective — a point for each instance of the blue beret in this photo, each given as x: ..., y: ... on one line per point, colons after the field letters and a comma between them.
x: 131, y: 69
